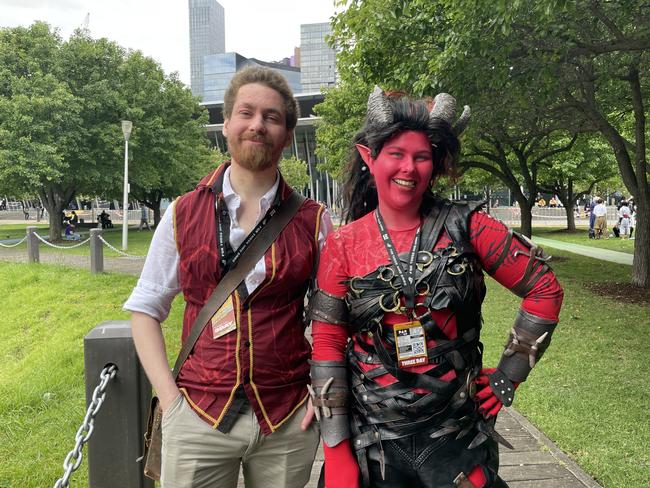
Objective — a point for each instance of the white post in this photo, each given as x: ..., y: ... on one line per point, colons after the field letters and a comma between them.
x: 328, y: 198
x: 126, y: 130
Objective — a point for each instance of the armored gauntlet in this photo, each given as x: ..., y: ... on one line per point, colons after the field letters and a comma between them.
x: 329, y: 393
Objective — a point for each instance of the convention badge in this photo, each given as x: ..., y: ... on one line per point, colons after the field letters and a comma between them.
x: 410, y: 344
x: 223, y: 321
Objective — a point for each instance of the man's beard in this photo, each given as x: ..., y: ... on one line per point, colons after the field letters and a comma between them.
x: 251, y: 156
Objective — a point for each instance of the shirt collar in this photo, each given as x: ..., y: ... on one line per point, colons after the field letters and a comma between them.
x: 232, y: 198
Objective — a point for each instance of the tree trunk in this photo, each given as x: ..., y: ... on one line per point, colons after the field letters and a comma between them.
x: 55, y: 210
x: 526, y: 222
x: 55, y: 201
x: 156, y: 214
x: 526, y: 217
x: 570, y: 218
x: 567, y: 202
x: 641, y: 267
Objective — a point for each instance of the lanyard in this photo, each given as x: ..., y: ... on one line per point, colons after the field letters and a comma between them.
x: 408, y: 279
x: 228, y: 257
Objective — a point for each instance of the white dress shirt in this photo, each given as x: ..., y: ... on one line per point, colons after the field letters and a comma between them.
x: 600, y: 210
x: 158, y: 283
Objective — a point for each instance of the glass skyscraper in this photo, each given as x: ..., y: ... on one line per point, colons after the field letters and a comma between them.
x: 219, y: 69
x: 207, y: 37
x: 317, y: 59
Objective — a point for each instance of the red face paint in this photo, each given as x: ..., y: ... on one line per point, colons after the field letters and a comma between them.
x: 402, y: 172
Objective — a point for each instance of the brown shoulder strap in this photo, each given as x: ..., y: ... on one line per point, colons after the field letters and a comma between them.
x: 236, y: 275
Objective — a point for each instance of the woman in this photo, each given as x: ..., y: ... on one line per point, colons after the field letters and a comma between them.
x: 406, y: 403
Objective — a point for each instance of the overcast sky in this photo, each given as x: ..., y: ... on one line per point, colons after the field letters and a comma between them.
x: 264, y: 29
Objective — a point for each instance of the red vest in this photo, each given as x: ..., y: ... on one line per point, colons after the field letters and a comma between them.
x: 268, y: 352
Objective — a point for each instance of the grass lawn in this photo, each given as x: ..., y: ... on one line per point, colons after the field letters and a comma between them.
x: 11, y: 231
x: 589, y: 393
x: 580, y: 236
x: 47, y: 311
x: 138, y: 242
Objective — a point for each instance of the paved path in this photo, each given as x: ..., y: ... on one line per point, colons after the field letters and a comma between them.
x: 535, y: 462
x: 592, y: 252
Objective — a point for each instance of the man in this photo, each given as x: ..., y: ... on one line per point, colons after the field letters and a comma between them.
x: 241, y: 395
x: 592, y: 217
x: 600, y: 214
x: 144, y: 218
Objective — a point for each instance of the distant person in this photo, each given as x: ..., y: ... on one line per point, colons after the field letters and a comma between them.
x: 69, y: 227
x: 625, y: 216
x: 144, y: 218
x: 600, y: 213
x: 592, y: 217
x: 632, y: 223
x: 74, y: 219
x: 105, y: 220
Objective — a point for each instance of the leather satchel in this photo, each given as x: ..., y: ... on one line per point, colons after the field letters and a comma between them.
x: 152, y: 455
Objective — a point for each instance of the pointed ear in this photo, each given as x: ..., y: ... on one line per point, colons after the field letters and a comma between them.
x: 366, y: 154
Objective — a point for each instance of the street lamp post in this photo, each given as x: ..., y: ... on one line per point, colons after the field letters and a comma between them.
x: 127, y: 125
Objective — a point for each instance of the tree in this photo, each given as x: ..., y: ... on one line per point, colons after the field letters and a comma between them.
x: 342, y: 112
x: 294, y: 171
x: 61, y: 103
x: 577, y: 172
x: 168, y: 145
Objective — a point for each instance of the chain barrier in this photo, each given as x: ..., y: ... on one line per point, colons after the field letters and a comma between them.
x: 60, y: 247
x: 113, y: 248
x: 73, y: 459
x: 14, y: 245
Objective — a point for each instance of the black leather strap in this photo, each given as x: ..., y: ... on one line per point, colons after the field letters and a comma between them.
x: 236, y: 275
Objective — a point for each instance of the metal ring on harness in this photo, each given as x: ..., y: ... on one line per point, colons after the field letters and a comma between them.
x: 389, y: 271
x: 452, y: 269
x: 354, y: 290
x: 396, y: 304
x: 425, y: 292
x: 428, y: 259
x: 453, y: 252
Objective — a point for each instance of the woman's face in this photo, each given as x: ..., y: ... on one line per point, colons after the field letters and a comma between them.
x: 402, y: 170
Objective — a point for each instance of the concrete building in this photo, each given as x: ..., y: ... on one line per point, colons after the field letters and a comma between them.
x: 218, y: 70
x: 207, y: 37
x: 317, y: 59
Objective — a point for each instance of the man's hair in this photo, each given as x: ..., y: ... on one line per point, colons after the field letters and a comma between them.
x: 269, y: 78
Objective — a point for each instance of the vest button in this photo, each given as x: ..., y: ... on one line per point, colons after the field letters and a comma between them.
x: 247, y: 344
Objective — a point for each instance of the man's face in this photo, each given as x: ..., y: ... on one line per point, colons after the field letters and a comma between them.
x: 256, y: 129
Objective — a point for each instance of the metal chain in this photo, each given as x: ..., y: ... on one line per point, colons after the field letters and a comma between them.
x: 128, y: 256
x: 73, y: 459
x: 60, y: 247
x: 14, y: 245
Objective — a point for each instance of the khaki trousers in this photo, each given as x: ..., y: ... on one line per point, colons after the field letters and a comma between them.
x: 194, y: 455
